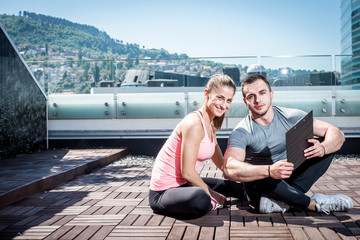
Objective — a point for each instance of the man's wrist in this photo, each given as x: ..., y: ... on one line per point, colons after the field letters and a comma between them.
x: 323, y: 149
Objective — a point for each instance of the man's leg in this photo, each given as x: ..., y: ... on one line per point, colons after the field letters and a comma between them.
x: 292, y: 191
x: 309, y: 172
x: 278, y: 190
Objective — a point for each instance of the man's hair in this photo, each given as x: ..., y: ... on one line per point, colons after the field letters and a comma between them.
x: 252, y: 78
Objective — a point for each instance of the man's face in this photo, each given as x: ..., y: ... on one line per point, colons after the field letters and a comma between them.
x: 258, y: 97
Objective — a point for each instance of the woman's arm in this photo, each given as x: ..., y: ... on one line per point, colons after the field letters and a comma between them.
x: 192, y: 133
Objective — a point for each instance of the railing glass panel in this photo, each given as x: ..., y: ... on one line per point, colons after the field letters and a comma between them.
x: 299, y: 70
x: 347, y: 95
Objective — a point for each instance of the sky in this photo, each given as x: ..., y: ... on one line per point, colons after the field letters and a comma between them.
x: 205, y: 28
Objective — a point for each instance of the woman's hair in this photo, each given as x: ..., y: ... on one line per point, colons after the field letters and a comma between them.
x: 216, y: 81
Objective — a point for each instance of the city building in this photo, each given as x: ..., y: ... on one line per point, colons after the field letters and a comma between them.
x: 350, y: 43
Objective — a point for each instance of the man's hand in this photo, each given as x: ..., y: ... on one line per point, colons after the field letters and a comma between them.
x: 281, y: 169
x: 316, y: 150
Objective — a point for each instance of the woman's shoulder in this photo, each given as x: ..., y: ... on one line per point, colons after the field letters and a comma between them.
x: 191, y: 122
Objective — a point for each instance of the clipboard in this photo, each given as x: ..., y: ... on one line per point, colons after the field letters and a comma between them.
x: 296, y: 139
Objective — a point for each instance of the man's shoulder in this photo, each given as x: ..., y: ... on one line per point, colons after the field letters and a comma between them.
x: 244, y: 126
x: 289, y: 116
x: 289, y: 112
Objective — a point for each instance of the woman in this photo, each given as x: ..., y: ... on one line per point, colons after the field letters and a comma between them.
x: 176, y: 189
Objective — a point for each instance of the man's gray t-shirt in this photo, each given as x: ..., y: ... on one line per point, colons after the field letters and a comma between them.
x: 265, y: 144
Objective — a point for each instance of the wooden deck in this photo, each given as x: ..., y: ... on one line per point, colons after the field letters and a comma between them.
x: 111, y: 203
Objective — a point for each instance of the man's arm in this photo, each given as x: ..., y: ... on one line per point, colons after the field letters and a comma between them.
x: 236, y: 169
x: 333, y: 140
x: 218, y: 158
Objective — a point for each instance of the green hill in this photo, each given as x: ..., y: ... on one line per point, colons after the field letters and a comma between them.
x: 30, y: 30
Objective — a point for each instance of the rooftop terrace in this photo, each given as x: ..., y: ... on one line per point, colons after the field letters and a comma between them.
x: 60, y: 195
x: 111, y: 202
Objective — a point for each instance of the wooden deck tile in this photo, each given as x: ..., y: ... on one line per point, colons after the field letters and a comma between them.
x: 260, y: 232
x: 313, y: 232
x: 90, y: 210
x: 133, y: 232
x: 28, y: 220
x: 73, y: 233
x: 321, y: 221
x: 206, y: 221
x: 37, y: 232
x: 118, y: 202
x: 222, y: 233
x: 87, y: 233
x: 129, y: 220
x: 52, y: 220
x: 329, y: 233
x: 155, y: 220
x: 59, y: 232
x: 91, y: 220
x: 176, y: 232
x: 102, y: 233
x: 191, y: 232
x: 206, y: 233
x: 298, y: 233
x: 141, y: 220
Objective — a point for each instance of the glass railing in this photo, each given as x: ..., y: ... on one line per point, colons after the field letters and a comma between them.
x: 170, y: 88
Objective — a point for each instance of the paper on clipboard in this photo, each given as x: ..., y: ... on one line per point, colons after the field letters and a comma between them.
x: 296, y: 139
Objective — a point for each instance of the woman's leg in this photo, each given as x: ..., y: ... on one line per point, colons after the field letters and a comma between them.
x: 226, y: 187
x: 181, y: 202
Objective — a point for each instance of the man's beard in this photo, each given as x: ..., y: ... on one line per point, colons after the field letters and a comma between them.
x: 260, y: 113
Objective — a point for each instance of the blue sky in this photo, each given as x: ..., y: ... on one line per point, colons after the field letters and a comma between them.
x: 206, y: 28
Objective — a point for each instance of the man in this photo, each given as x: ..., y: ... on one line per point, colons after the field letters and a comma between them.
x: 256, y: 155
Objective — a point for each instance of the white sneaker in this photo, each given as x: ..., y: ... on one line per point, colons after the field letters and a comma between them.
x: 268, y: 205
x: 331, y: 203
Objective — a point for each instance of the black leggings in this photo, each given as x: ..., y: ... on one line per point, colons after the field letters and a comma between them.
x: 188, y: 202
x: 292, y: 190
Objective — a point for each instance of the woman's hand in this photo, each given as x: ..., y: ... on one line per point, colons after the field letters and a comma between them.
x: 219, y: 198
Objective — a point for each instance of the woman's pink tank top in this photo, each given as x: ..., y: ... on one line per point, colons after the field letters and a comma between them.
x: 166, y: 172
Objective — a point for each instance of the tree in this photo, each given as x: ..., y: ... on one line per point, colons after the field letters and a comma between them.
x: 46, y: 49
x: 64, y: 76
x: 80, y: 54
x: 96, y: 73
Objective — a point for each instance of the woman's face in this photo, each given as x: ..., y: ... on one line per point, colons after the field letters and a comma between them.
x: 219, y: 100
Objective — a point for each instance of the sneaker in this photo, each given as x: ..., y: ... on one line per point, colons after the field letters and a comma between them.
x: 215, y: 205
x: 268, y: 205
x: 330, y: 203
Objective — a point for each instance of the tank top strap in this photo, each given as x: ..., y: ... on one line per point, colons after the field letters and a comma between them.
x: 203, y: 124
